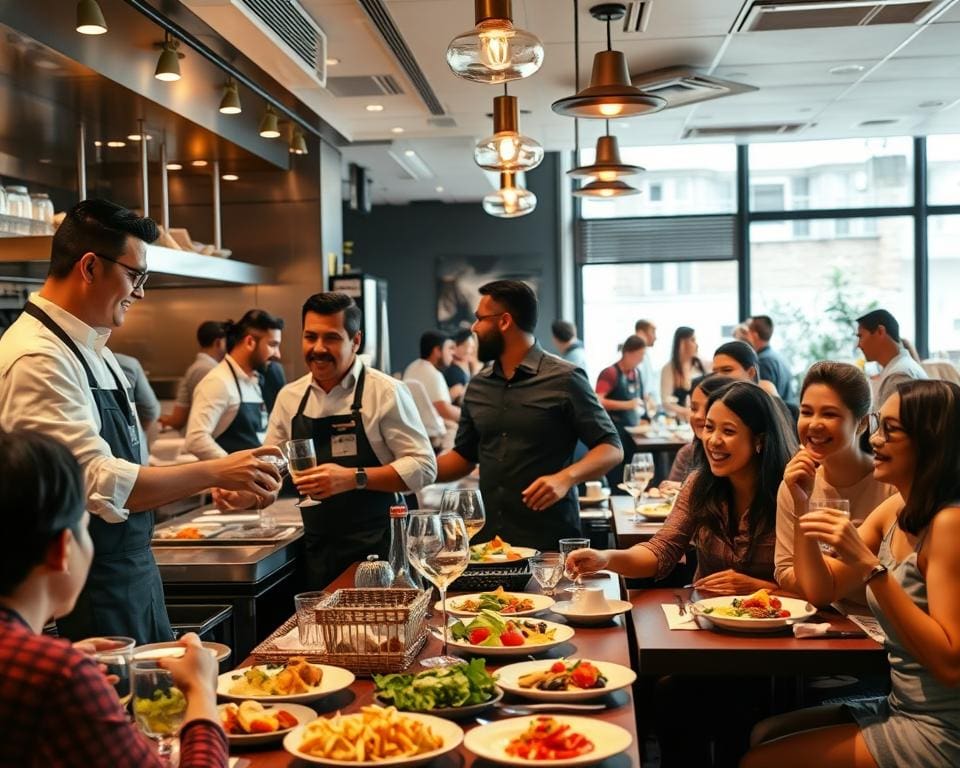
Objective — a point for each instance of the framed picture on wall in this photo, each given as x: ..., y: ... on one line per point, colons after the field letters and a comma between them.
x: 459, y: 279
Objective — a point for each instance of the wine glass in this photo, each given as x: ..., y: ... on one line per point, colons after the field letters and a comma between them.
x: 636, y: 477
x: 268, y: 520
x: 566, y: 547
x: 301, y: 456
x: 159, y: 707
x: 547, y: 569
x: 469, y: 505
x: 115, y: 661
x: 438, y: 547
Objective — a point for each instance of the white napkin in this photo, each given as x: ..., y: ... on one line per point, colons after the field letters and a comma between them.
x: 675, y: 620
x: 290, y: 641
x: 870, y: 625
x: 810, y: 629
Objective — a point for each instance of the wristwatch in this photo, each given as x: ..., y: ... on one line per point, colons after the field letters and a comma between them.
x: 361, y: 476
x: 874, y: 572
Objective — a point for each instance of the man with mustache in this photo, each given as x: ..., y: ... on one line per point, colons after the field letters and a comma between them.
x: 369, y: 440
x: 520, y: 421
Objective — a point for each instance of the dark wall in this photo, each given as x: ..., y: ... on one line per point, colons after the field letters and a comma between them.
x: 405, y: 244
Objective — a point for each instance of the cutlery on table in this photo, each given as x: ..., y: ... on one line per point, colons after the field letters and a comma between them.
x: 528, y: 709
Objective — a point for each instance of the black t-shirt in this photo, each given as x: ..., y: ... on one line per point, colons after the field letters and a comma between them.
x: 455, y: 375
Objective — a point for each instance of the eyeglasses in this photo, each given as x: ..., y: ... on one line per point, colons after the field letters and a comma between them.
x: 137, y: 276
x: 492, y: 314
x: 878, y: 425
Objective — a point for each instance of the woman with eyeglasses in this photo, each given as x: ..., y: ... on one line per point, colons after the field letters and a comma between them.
x: 905, y: 553
x: 835, y: 460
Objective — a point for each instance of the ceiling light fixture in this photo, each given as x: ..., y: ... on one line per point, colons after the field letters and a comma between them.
x: 174, y: 167
x: 116, y: 144
x: 168, y: 65
x: 298, y: 144
x: 137, y: 137
x: 494, y: 51
x: 507, y: 150
x: 396, y: 129
x: 270, y: 124
x: 847, y: 69
x: 409, y: 153
x: 510, y: 201
x: 230, y: 102
x: 198, y: 163
x: 439, y: 189
x: 230, y: 177
x: 374, y: 107
x: 610, y: 93
x: 607, y: 165
x: 332, y: 61
x: 90, y: 19
x: 606, y: 190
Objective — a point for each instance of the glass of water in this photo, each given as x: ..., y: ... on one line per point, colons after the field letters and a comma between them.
x: 834, y: 505
x: 547, y: 569
x: 566, y: 547
x: 115, y: 661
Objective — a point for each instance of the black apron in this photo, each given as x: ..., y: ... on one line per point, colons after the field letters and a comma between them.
x: 123, y: 594
x: 250, y: 420
x: 624, y: 390
x: 349, y: 526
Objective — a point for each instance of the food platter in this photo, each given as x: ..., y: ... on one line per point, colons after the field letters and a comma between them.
x: 500, y: 555
x: 617, y: 677
x: 562, y: 634
x: 799, y: 610
x: 334, y: 679
x: 453, y: 713
x: 301, y: 713
x: 455, y: 605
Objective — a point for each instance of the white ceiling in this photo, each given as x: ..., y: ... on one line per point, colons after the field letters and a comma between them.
x: 904, y: 65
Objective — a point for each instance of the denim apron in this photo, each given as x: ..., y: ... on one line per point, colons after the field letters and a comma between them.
x: 250, y: 420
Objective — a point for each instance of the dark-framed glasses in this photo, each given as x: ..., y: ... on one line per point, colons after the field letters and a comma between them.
x: 137, y: 276
x: 878, y: 425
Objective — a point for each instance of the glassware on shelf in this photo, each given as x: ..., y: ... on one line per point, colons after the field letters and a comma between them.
x: 159, y: 707
x: 18, y: 202
x: 468, y: 503
x: 41, y: 207
x: 404, y: 576
x: 3, y: 201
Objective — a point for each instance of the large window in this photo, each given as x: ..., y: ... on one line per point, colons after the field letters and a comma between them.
x: 847, y: 173
x: 700, y: 294
x: 700, y: 178
x: 814, y: 289
x: 943, y: 170
x: 944, y: 301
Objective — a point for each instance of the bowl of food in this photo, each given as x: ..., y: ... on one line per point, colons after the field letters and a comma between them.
x: 759, y: 612
x: 498, y: 552
x: 250, y: 722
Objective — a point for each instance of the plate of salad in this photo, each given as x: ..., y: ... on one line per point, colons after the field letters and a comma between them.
x: 500, y: 601
x: 490, y: 634
x: 498, y: 552
x: 759, y: 612
x: 457, y: 691
x: 564, y: 679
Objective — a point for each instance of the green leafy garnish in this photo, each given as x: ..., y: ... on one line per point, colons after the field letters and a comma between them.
x: 459, y: 685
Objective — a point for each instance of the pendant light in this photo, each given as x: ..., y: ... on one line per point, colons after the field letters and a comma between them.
x: 507, y: 150
x: 168, y: 65
x: 494, y: 51
x: 90, y: 19
x: 298, y: 144
x: 230, y: 103
x: 510, y: 201
x: 610, y: 93
x: 270, y: 124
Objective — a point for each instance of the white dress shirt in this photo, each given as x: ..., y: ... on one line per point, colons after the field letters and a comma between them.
x: 43, y: 388
x: 216, y: 401
x: 427, y: 374
x: 390, y: 420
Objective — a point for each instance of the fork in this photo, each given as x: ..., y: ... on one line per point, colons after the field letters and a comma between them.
x: 680, y: 604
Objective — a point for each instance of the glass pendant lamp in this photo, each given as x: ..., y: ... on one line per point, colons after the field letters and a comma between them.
x: 506, y: 149
x: 494, y: 51
x: 510, y: 201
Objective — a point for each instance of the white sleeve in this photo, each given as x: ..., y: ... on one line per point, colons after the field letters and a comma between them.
x: 210, y: 400
x: 38, y: 394
x: 279, y: 426
x: 405, y: 436
x: 438, y: 389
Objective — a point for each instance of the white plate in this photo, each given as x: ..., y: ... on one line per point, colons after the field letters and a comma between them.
x: 334, y: 679
x: 603, y: 496
x: 525, y: 553
x: 574, y: 615
x: 799, y: 611
x: 174, y: 650
x: 540, y: 603
x: 658, y: 510
x: 563, y: 634
x: 490, y: 741
x: 302, y: 713
x: 450, y: 732
x: 618, y: 677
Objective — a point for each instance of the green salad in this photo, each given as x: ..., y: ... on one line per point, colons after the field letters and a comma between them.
x: 459, y: 685
x: 163, y: 713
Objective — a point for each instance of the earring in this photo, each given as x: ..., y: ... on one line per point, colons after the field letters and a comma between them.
x: 759, y: 448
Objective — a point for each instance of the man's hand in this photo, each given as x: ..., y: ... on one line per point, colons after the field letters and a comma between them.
x: 546, y: 491
x: 245, y: 471
x: 326, y: 480
x: 234, y: 501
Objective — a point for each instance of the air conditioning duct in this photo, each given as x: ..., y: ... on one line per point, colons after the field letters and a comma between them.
x: 681, y: 86
x: 773, y: 15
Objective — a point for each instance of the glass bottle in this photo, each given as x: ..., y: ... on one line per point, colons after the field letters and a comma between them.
x: 404, y: 577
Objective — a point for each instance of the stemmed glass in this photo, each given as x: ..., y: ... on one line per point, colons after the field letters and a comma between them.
x: 116, y: 663
x: 636, y: 477
x: 469, y: 505
x: 301, y: 456
x: 547, y: 568
x: 566, y: 547
x: 159, y: 707
x: 438, y: 547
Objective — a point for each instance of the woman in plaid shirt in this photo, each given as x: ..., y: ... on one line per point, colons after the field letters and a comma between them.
x: 56, y: 707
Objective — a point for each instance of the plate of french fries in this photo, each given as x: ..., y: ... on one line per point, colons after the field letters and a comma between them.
x: 374, y: 736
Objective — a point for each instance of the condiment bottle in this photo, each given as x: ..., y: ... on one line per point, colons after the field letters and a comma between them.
x: 404, y: 577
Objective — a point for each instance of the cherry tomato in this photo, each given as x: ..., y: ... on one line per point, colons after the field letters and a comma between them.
x: 783, y: 614
x: 775, y: 603
x: 558, y: 667
x: 511, y: 637
x: 478, y: 635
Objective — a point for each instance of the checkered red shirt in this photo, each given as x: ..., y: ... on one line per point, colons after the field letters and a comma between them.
x: 57, y: 709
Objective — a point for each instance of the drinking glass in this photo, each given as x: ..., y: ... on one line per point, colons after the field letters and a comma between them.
x: 835, y: 505
x: 438, y: 547
x: 547, y: 569
x: 267, y: 518
x: 307, y: 629
x: 566, y: 547
x: 116, y: 663
x: 301, y: 456
x: 469, y: 505
x: 159, y: 707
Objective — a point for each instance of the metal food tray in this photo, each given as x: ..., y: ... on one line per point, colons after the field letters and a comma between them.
x: 513, y: 578
x: 231, y: 534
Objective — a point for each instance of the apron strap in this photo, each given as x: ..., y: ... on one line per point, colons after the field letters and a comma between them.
x: 355, y: 406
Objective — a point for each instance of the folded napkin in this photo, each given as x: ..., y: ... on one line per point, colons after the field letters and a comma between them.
x: 675, y: 620
x: 810, y: 629
x: 870, y: 625
x: 291, y: 641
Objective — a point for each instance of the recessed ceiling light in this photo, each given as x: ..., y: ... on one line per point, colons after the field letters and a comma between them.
x: 230, y: 177
x: 174, y: 167
x: 847, y: 69
x: 396, y: 129
x: 137, y: 137
x: 45, y: 161
x: 878, y: 122
x: 374, y: 107
x: 930, y: 104
x: 439, y: 189
x: 199, y: 163
x: 98, y: 143
x: 116, y: 144
x: 332, y: 61
x: 409, y: 153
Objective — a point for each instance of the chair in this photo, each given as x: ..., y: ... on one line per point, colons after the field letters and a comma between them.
x: 428, y: 413
x: 938, y: 368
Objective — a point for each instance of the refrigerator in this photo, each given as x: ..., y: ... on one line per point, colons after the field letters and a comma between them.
x: 370, y: 294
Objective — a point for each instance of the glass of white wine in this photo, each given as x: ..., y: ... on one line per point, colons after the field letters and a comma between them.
x: 637, y: 475
x: 301, y: 456
x: 159, y: 707
x: 115, y: 661
x: 438, y: 547
x: 468, y: 503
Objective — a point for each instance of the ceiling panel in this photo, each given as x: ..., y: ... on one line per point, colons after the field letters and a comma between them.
x: 814, y: 44
x: 772, y: 76
x: 935, y: 40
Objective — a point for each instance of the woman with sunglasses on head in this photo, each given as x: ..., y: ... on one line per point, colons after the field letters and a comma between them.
x: 835, y: 460
x: 905, y: 553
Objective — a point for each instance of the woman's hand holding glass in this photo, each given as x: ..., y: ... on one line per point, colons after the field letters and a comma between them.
x: 835, y: 529
x: 581, y: 561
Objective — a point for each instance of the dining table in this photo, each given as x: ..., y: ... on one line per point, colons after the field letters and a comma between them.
x: 607, y: 643
x: 627, y: 529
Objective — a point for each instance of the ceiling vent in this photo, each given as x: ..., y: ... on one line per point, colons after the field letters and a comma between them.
x: 637, y: 17
x: 441, y: 122
x: 728, y: 131
x: 372, y: 85
x: 774, y: 15
x: 277, y: 35
x: 682, y: 85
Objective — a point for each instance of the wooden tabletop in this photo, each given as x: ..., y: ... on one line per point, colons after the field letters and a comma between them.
x: 608, y: 643
x: 626, y: 531
x: 664, y: 651
x: 670, y: 442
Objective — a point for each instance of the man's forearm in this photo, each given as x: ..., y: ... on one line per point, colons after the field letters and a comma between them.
x: 595, y: 464
x: 161, y: 485
x: 452, y: 466
x: 447, y: 411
